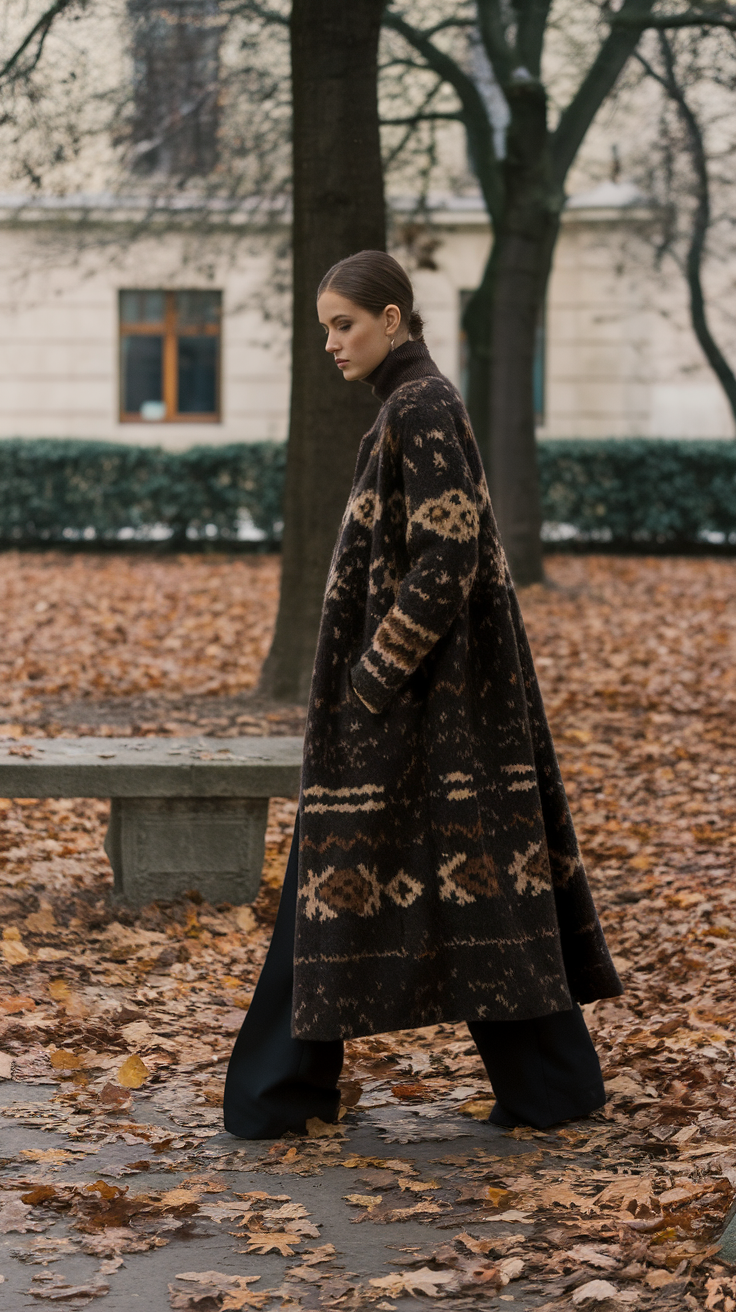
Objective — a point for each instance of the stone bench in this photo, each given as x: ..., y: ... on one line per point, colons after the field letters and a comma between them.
x: 186, y: 813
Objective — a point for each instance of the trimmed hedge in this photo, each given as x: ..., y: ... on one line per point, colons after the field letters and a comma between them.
x: 639, y: 491
x: 629, y: 493
x: 54, y: 490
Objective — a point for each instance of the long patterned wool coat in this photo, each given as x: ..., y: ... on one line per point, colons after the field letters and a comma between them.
x: 439, y: 874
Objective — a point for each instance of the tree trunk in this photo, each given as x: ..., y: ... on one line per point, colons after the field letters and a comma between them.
x: 338, y: 210
x: 477, y: 319
x: 501, y: 322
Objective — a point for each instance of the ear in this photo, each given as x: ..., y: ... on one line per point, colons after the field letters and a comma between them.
x: 392, y: 320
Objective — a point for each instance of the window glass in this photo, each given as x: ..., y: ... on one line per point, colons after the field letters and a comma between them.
x: 170, y: 355
x: 142, y: 376
x: 197, y: 375
x: 173, y: 127
x: 141, y: 307
x: 195, y: 309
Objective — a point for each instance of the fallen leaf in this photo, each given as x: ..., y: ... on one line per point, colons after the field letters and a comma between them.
x: 318, y: 1129
x: 47, y: 1155
x: 245, y: 919
x: 279, y: 1243
x: 13, y: 949
x: 594, y: 1291
x: 479, y: 1108
x: 14, y: 1217
x: 59, y: 1291
x: 313, y: 1256
x: 592, y: 1256
x: 16, y: 1003
x: 423, y: 1281
x: 659, y: 1278
x: 406, y: 1091
x: 61, y: 1060
x: 41, y: 922
x: 133, y: 1073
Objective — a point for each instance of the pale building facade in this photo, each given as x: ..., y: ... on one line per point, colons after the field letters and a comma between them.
x: 169, y: 340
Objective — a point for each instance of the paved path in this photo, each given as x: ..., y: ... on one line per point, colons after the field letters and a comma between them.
x: 192, y: 1230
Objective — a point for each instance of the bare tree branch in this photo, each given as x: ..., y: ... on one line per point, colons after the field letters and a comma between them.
x: 254, y: 9
x: 38, y: 32
x: 422, y: 118
x: 532, y: 16
x: 473, y: 111
x: 613, y: 53
x: 702, y: 216
x: 724, y: 17
x: 493, y: 34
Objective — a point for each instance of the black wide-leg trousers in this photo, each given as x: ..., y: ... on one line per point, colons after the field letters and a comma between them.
x: 542, y: 1071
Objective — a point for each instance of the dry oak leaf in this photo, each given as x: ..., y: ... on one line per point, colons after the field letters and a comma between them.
x: 212, y: 1286
x: 111, y: 1095
x: 561, y: 1195
x: 62, y: 1060
x: 6, y: 1066
x: 245, y: 919
x: 41, y: 922
x: 721, y: 1291
x: 40, y: 1194
x: 48, y: 1155
x: 382, y: 1163
x: 423, y: 1281
x: 599, y: 1291
x: 592, y: 1256
x: 415, y: 1090
x: 633, y: 1193
x: 279, y: 1243
x: 319, y: 1129
x: 58, y: 1290
x: 484, y: 1193
x: 363, y: 1200
x: 18, y: 1002
x: 289, y: 1212
x: 133, y: 1073
x: 479, y: 1108
x: 14, y: 1218
x: 179, y: 1197
x: 658, y: 1279
x: 624, y: 1084
x: 13, y: 949
x: 478, y: 1245
x: 313, y: 1256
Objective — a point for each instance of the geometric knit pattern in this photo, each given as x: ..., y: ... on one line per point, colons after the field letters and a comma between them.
x: 439, y: 873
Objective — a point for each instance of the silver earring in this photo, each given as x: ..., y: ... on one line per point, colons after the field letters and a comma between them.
x: 393, y: 339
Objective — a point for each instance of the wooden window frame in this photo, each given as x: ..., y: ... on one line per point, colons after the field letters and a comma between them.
x: 169, y: 330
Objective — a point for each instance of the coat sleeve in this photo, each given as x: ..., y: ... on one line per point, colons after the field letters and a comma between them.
x: 442, y: 545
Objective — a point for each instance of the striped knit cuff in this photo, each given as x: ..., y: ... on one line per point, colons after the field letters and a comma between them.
x: 373, y: 694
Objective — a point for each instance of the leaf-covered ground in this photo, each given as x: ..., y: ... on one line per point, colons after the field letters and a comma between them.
x: 117, y: 1026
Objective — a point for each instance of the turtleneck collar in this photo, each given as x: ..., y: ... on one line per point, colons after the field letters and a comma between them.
x: 405, y: 364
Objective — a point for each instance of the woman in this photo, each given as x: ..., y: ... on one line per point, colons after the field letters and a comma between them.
x: 434, y: 873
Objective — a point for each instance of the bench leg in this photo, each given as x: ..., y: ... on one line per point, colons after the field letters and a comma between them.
x: 161, y: 847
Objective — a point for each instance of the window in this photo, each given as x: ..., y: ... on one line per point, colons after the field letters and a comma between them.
x: 170, y: 356
x: 176, y: 56
x: 538, y: 367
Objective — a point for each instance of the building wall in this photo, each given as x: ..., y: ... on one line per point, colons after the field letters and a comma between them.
x: 621, y: 359
x: 59, y: 345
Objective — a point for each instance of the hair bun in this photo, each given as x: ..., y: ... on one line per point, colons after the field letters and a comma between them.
x: 416, y: 326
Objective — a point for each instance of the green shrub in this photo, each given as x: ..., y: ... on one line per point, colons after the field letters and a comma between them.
x: 54, y: 490
x: 632, y: 493
x: 638, y: 491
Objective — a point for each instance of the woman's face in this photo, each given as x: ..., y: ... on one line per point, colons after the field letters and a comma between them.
x: 357, y: 339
